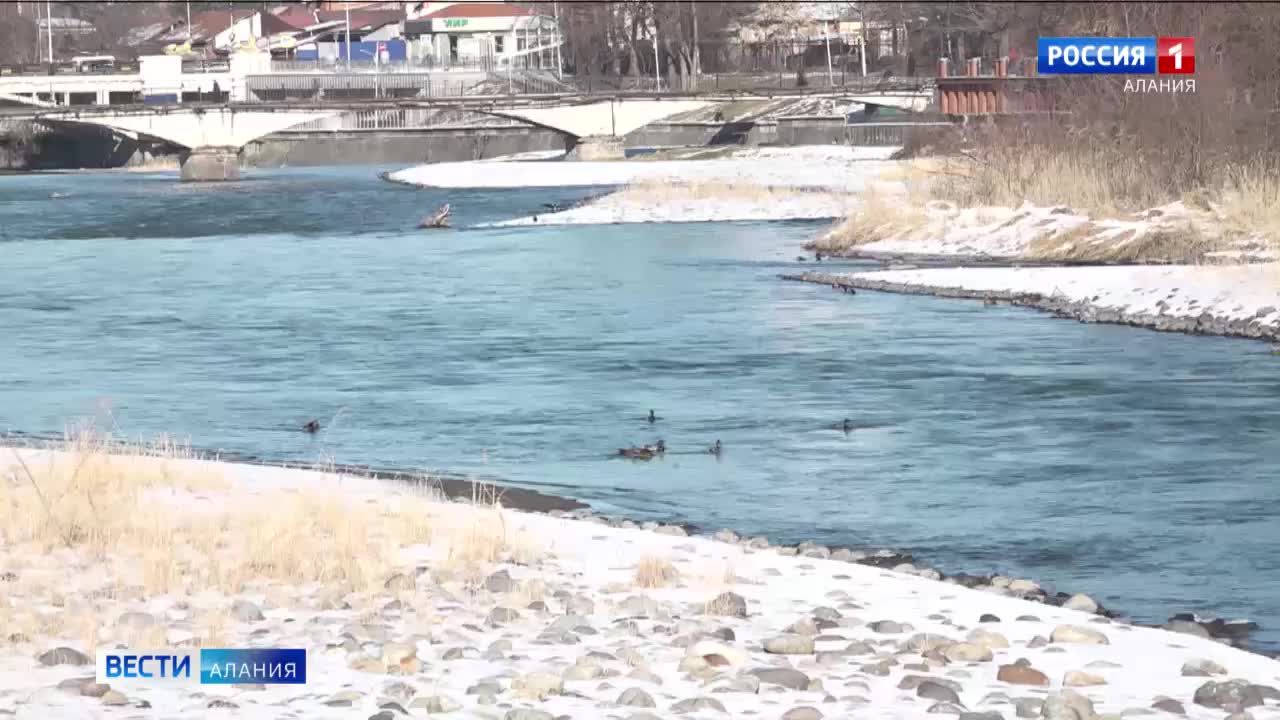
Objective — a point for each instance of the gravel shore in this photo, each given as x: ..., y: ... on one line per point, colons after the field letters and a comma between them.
x: 584, y: 619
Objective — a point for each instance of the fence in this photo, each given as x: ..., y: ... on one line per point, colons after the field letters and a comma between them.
x: 887, y: 134
x: 400, y: 118
x: 753, y: 82
x: 361, y: 86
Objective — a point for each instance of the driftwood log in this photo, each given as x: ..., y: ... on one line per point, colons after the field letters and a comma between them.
x: 438, y: 219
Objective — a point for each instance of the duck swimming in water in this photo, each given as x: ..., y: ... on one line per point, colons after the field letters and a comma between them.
x: 652, y: 418
x: 647, y: 452
x: 715, y: 449
x: 846, y: 426
x: 311, y: 426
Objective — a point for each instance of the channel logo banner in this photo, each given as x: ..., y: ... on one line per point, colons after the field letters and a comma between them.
x: 1096, y: 56
x: 267, y: 666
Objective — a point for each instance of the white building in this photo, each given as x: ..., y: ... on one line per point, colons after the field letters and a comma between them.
x: 495, y: 33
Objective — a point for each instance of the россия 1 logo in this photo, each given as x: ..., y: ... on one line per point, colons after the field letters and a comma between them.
x: 1122, y: 56
x: 1117, y: 56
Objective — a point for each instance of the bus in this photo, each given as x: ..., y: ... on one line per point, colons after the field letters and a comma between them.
x: 93, y: 63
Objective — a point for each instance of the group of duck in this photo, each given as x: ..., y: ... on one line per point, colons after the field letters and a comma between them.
x: 659, y: 448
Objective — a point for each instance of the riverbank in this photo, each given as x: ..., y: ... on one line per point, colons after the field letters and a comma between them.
x: 476, y: 609
x: 1235, y: 300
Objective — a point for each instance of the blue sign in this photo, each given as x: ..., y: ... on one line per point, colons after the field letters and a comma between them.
x: 1096, y: 56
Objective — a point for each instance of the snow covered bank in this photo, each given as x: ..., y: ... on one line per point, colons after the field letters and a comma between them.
x: 1239, y: 300
x: 663, y: 203
x: 481, y: 612
x: 831, y: 167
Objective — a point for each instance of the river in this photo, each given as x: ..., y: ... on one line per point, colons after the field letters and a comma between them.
x: 1136, y: 466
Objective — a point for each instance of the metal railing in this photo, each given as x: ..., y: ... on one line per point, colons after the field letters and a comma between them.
x: 360, y: 86
x: 888, y: 134
x: 479, y: 63
x: 402, y: 119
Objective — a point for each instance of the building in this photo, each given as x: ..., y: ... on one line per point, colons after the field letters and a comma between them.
x: 497, y: 34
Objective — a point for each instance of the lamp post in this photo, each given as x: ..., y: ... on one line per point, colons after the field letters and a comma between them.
x: 826, y: 31
x: 347, y: 7
x: 657, y: 71
x: 48, y: 19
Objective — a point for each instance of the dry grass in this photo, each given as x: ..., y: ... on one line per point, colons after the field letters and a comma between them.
x: 879, y: 216
x: 1250, y: 204
x: 145, y: 521
x: 655, y: 572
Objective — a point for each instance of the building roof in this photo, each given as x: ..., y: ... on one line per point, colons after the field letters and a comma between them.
x: 362, y: 19
x: 480, y: 10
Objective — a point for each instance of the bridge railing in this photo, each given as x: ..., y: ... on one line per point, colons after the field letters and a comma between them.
x: 753, y: 82
x: 362, y: 86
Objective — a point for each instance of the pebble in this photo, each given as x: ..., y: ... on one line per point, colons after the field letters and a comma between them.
x: 988, y: 639
x: 786, y: 677
x: 1169, y: 705
x: 743, y: 683
x: 644, y: 676
x: 114, y: 697
x: 789, y: 645
x: 698, y: 703
x: 1079, y: 678
x: 1028, y: 707
x: 1232, y: 695
x: 436, y: 704
x: 804, y: 712
x: 135, y: 620
x: 501, y: 615
x: 988, y: 618
x: 635, y: 697
x: 934, y: 690
x: 967, y: 652
x: 499, y: 582
x: 728, y: 604
x: 537, y: 685
x: 1201, y: 667
x: 63, y: 656
x: 245, y: 611
x: 717, y: 653
x: 1077, y: 634
x: 1081, y: 602
x: 945, y: 708
x: 987, y: 715
x: 1020, y: 675
x: 528, y: 714
x: 924, y: 642
x: 888, y: 627
x: 1067, y: 705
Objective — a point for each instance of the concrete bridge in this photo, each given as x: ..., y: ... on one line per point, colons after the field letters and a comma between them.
x: 214, y: 134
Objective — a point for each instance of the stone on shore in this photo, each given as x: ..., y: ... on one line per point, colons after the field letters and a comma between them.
x: 1077, y: 634
x: 934, y: 690
x: 635, y: 697
x: 1201, y: 667
x: 1231, y: 695
x: 1081, y: 602
x: 1022, y: 675
x: 804, y: 712
x: 1079, y: 678
x: 728, y: 604
x: 63, y: 656
x: 537, y: 685
x: 789, y: 645
x: 967, y: 652
x: 1067, y: 705
x: 786, y: 677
